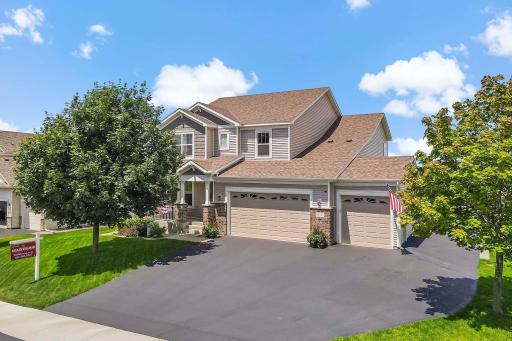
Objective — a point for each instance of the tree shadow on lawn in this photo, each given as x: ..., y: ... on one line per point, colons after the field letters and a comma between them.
x: 120, y: 254
x: 452, y: 296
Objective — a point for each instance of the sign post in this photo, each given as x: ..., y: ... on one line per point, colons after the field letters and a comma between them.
x: 26, y: 248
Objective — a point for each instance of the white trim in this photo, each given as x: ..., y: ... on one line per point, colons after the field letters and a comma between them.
x: 339, y: 209
x: 191, y: 163
x: 256, y: 132
x: 166, y: 121
x: 289, y: 144
x: 4, y: 180
x: 193, y: 143
x: 229, y: 189
x: 206, y: 142
x: 368, y: 193
x: 197, y: 104
x: 195, y: 178
x: 228, y: 139
x: 276, y: 124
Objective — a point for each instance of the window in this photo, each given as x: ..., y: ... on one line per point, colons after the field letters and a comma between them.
x: 186, y: 144
x: 263, y: 143
x: 188, y: 193
x: 224, y: 141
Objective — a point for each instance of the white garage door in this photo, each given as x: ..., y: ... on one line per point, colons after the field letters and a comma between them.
x: 270, y: 216
x: 366, y: 221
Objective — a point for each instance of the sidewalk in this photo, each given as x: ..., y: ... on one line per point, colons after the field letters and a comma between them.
x: 34, y: 325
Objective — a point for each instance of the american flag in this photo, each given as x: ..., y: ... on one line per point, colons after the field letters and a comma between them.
x: 394, y: 202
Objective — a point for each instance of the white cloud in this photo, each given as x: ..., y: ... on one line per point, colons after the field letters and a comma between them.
x: 399, y: 108
x: 85, y: 50
x: 356, y: 5
x: 7, y: 126
x: 423, y: 84
x: 461, y: 48
x: 99, y: 29
x: 409, y: 146
x: 183, y: 85
x: 498, y: 35
x: 26, y: 20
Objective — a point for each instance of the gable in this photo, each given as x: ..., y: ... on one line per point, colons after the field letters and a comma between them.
x: 184, y: 123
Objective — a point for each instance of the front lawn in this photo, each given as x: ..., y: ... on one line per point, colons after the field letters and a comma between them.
x: 474, y: 322
x: 68, y: 267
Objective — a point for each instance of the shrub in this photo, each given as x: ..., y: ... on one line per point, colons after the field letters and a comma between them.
x: 210, y: 232
x: 317, y: 239
x: 138, y: 227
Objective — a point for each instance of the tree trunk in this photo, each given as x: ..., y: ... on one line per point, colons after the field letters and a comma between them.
x: 497, y: 305
x: 95, y: 238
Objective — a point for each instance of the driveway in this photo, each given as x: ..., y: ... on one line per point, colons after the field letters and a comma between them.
x: 248, y: 289
x: 4, y: 232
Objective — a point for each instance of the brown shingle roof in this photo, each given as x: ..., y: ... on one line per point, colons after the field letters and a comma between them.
x: 324, y: 159
x: 9, y: 143
x: 376, y: 168
x: 214, y: 163
x: 266, y: 108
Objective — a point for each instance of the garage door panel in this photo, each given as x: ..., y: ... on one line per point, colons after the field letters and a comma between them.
x: 270, y: 216
x: 366, y: 221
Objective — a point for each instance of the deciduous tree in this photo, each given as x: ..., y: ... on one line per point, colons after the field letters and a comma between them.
x: 99, y: 160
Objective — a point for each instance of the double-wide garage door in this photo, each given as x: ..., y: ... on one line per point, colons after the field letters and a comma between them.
x: 365, y: 221
x: 283, y: 217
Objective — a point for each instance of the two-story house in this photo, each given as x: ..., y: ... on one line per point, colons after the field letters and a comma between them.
x: 277, y: 165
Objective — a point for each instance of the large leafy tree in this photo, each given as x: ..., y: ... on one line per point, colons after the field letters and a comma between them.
x: 99, y: 160
x: 463, y: 188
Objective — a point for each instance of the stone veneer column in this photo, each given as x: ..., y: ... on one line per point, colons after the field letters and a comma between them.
x: 215, y: 214
x: 8, y: 222
x: 181, y: 213
x: 323, y: 220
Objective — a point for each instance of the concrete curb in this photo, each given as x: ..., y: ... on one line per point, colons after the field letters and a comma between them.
x: 32, y: 325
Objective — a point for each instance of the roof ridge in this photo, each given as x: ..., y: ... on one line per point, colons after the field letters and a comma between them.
x: 273, y: 92
x: 365, y: 114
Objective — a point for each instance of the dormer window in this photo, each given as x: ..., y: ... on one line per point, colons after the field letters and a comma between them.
x: 263, y: 138
x: 224, y: 141
x: 185, y: 141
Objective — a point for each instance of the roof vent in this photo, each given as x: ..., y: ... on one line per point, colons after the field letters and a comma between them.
x: 348, y: 140
x: 330, y: 141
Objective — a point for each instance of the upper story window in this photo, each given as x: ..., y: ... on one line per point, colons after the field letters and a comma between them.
x: 263, y: 143
x: 185, y: 141
x: 224, y: 141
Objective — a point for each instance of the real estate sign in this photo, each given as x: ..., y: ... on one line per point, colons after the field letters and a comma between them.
x: 26, y: 248
x: 23, y: 250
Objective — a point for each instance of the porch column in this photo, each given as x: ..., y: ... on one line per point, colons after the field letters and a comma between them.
x: 182, y: 192
x: 207, y: 193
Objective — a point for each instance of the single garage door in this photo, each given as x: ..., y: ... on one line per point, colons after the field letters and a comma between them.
x: 270, y: 216
x: 366, y: 221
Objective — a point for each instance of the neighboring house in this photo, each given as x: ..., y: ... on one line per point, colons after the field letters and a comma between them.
x: 13, y: 211
x: 277, y: 165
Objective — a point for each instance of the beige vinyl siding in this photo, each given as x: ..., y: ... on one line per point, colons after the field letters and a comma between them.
x: 210, y: 145
x: 272, y: 216
x: 196, y: 212
x: 319, y: 191
x: 312, y: 125
x: 280, y: 143
x: 375, y: 146
x: 232, y: 140
x: 247, y: 143
x: 16, y: 211
x: 186, y: 125
x: 365, y: 223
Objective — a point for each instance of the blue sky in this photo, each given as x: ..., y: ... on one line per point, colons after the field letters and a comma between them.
x: 406, y: 58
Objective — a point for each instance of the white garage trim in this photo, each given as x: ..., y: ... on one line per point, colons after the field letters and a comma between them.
x: 230, y: 189
x: 369, y: 193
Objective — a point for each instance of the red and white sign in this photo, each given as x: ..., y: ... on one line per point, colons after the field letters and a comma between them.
x: 23, y: 250
x: 164, y: 209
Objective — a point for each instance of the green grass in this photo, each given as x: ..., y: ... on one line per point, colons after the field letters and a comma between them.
x: 474, y: 322
x: 69, y: 268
